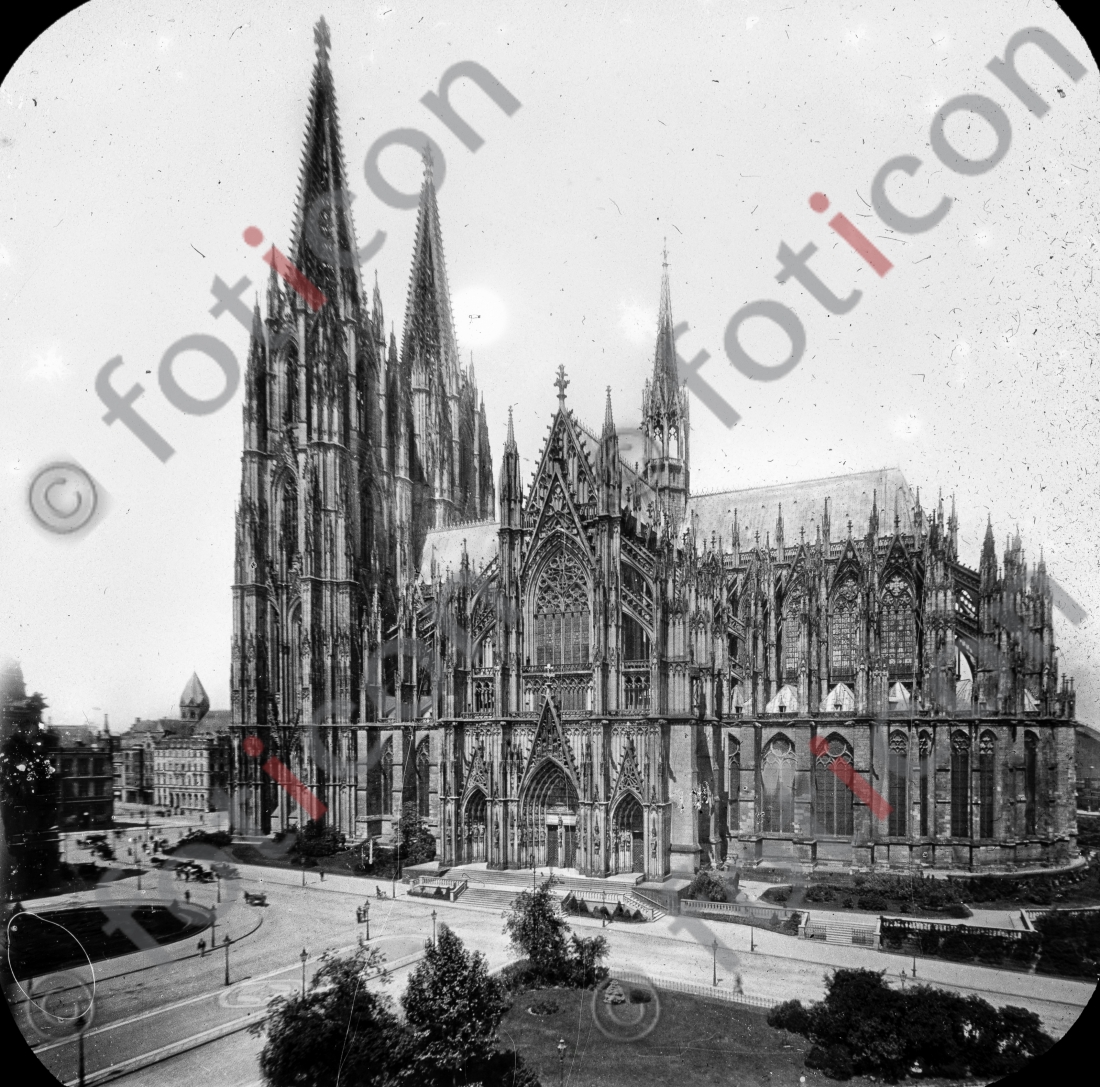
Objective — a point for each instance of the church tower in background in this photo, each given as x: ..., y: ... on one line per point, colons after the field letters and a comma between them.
x: 351, y: 454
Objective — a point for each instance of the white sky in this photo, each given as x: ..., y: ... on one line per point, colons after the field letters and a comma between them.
x: 136, y: 144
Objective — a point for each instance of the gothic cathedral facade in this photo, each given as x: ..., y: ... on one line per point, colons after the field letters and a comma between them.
x: 601, y: 669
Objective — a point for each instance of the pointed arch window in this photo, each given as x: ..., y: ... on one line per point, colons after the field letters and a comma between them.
x: 387, y: 777
x: 423, y: 780
x: 1031, y: 782
x: 777, y: 778
x: 635, y: 641
x: 844, y: 630
x: 733, y: 786
x: 792, y: 632
x: 897, y: 784
x: 924, y: 744
x: 833, y: 798
x: 960, y: 785
x: 562, y: 615
x: 898, y: 626
x: 987, y: 748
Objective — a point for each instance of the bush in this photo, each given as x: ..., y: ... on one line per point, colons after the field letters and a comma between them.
x: 1071, y: 943
x: 776, y: 894
x: 707, y: 887
x: 318, y: 840
x: 863, y: 1027
x: 790, y: 1015
x: 872, y: 902
x: 834, y: 1061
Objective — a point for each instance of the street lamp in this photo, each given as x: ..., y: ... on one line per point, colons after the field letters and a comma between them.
x: 433, y: 928
x: 225, y: 944
x: 304, y: 956
x: 752, y: 940
x: 561, y: 1062
x: 213, y: 928
x: 81, y: 1026
x: 218, y: 880
x: 714, y: 948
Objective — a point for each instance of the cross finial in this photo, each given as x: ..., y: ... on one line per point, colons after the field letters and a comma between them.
x: 664, y: 254
x: 562, y: 383
x: 323, y: 39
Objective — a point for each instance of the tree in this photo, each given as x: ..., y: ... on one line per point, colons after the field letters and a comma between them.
x: 28, y: 786
x: 417, y: 841
x: 537, y: 931
x: 453, y: 1008
x: 339, y: 1034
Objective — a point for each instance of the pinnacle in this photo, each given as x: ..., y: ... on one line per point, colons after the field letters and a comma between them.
x: 608, y: 421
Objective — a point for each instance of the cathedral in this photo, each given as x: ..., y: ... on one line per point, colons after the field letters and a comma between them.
x: 598, y: 668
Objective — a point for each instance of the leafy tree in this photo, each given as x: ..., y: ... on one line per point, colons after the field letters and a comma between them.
x: 453, y: 1008
x: 318, y: 839
x: 707, y: 886
x: 587, y: 955
x: 28, y: 785
x: 537, y: 930
x: 340, y: 1033
x: 865, y: 1027
x: 417, y: 841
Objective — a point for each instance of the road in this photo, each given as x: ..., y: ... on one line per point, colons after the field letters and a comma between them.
x: 143, y: 1016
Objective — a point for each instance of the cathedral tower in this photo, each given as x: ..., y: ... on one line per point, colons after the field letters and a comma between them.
x: 665, y: 418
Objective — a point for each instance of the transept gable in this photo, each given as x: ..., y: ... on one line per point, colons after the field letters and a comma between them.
x: 565, y: 448
x: 550, y: 743
x: 558, y: 515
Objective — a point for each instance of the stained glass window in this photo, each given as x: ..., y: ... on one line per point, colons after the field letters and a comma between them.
x: 897, y: 781
x: 844, y: 630
x: 777, y: 775
x: 562, y: 616
x: 898, y: 633
x: 986, y: 750
x: 833, y: 797
x: 792, y: 640
x: 1031, y: 781
x: 960, y: 785
x: 733, y: 818
x: 925, y: 744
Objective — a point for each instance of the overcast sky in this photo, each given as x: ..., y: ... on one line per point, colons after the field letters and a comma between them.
x: 137, y: 142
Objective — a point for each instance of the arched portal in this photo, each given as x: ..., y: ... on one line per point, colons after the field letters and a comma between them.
x: 628, y: 828
x: 474, y: 835
x: 549, y: 818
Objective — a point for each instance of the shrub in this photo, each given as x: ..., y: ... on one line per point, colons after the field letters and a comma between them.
x: 640, y: 996
x: 872, y: 902
x: 707, y: 887
x: 790, y: 1015
x: 318, y: 840
x: 1071, y: 943
x: 833, y: 1060
x: 865, y: 1027
x: 819, y: 892
x: 776, y: 894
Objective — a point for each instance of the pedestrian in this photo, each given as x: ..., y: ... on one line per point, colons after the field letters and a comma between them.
x: 202, y: 949
x: 737, y: 984
x: 187, y: 896
x: 322, y: 875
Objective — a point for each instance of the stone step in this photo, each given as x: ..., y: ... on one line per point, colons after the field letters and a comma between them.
x: 497, y: 898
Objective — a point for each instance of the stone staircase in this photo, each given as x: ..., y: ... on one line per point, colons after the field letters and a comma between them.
x: 495, y: 898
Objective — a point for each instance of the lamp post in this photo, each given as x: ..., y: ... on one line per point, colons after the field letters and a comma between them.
x: 225, y: 944
x: 81, y: 1026
x: 752, y: 938
x: 714, y: 949
x: 218, y: 880
x: 366, y: 918
x: 213, y: 928
x: 303, y: 871
x: 304, y: 956
x: 433, y: 928
x: 561, y: 1062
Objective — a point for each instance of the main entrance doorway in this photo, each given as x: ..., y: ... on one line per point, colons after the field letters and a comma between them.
x: 473, y: 829
x: 548, y: 814
x: 629, y: 836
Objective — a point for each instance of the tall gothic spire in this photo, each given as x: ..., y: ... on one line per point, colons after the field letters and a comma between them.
x: 429, y: 327
x: 323, y: 239
x: 666, y: 380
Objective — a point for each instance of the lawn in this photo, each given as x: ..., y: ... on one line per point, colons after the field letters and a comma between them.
x: 695, y: 1042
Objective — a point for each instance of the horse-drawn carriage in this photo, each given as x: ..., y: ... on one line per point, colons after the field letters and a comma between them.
x: 255, y: 898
